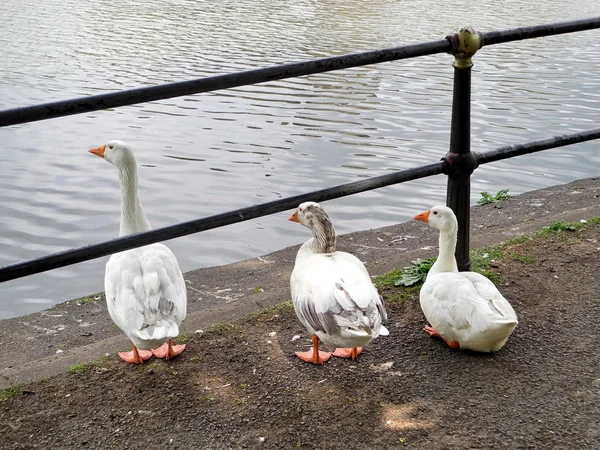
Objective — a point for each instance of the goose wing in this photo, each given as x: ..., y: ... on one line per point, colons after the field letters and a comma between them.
x: 465, y: 299
x: 335, y: 290
x: 146, y: 292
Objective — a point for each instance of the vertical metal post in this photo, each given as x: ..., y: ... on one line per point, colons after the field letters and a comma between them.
x: 460, y: 162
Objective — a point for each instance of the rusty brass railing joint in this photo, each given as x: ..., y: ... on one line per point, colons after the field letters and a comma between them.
x: 465, y: 43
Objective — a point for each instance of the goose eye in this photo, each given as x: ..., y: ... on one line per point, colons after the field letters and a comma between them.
x: 110, y: 147
x: 435, y: 213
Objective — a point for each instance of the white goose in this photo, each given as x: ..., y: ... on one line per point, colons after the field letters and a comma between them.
x: 465, y: 309
x: 332, y: 292
x: 145, y: 291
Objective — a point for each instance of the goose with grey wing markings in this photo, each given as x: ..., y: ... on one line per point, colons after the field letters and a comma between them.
x: 332, y: 292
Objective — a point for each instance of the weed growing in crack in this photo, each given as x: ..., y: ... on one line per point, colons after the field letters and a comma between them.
x: 487, y: 198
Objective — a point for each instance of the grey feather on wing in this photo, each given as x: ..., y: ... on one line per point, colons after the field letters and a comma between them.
x: 165, y: 306
x: 348, y: 311
x: 382, y: 311
x: 318, y: 321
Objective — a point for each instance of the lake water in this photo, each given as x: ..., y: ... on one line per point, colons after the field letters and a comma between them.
x: 211, y: 153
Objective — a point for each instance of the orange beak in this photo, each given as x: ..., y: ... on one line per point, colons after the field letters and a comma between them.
x: 98, y: 151
x: 423, y: 217
x: 294, y: 217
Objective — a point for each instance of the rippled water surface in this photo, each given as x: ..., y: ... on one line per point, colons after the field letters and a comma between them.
x: 215, y: 152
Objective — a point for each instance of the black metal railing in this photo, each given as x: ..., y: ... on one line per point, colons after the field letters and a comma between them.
x: 458, y: 163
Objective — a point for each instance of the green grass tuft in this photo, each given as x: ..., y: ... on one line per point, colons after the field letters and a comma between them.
x: 520, y: 239
x: 489, y: 198
x: 401, y: 294
x: 84, y: 300
x: 280, y: 308
x: 184, y: 338
x: 523, y: 259
x: 222, y: 328
x: 482, y: 258
x: 78, y: 368
x: 393, y: 293
x: 595, y: 221
x: 560, y: 227
x: 9, y: 393
x: 82, y: 367
x: 387, y: 279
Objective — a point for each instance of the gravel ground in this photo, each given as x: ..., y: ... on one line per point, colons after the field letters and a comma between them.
x: 238, y: 385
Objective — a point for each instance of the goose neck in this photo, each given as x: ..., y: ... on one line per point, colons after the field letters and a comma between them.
x: 324, y: 235
x: 446, y: 261
x: 133, y: 219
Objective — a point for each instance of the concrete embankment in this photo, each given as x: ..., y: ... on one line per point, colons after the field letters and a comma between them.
x: 49, y: 342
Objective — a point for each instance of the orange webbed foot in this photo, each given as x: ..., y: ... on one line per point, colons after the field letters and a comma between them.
x: 431, y: 332
x: 313, y: 357
x: 348, y: 352
x: 168, y: 350
x: 135, y: 356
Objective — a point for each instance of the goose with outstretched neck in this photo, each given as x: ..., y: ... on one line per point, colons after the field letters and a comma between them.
x: 145, y: 290
x: 465, y: 309
x: 332, y: 292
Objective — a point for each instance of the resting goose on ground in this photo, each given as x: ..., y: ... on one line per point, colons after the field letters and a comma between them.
x: 465, y: 309
x: 332, y: 292
x: 145, y: 291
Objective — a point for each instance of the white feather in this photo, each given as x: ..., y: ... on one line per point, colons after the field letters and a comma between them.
x: 146, y: 294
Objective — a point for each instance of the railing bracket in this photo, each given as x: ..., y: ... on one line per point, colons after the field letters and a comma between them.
x: 465, y: 43
x: 459, y: 165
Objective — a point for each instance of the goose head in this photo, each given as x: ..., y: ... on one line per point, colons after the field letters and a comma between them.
x: 440, y: 217
x: 115, y: 152
x: 313, y: 217
x: 310, y: 214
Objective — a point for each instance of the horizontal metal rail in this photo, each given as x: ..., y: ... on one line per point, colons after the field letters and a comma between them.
x: 535, y: 146
x: 536, y: 31
x: 98, y: 102
x: 73, y: 256
x: 94, y: 251
x: 152, y: 93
